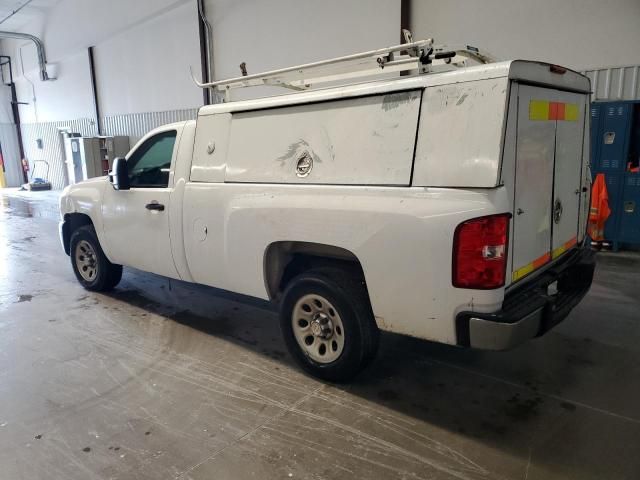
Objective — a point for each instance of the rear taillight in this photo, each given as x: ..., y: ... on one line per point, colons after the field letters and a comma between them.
x: 480, y: 252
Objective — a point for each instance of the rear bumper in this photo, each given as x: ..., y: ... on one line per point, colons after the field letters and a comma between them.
x: 530, y: 311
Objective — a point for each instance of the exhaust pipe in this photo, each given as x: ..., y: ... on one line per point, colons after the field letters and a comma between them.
x: 42, y: 56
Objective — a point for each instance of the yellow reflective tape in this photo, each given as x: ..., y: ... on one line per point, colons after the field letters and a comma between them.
x: 558, y: 251
x: 541, y: 110
x: 571, y: 111
x: 538, y: 110
x: 522, y: 272
x: 563, y: 248
x: 527, y: 269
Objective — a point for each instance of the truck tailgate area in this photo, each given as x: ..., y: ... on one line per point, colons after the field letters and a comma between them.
x: 549, y: 187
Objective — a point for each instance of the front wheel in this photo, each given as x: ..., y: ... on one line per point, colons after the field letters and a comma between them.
x: 90, y: 265
x: 328, y: 325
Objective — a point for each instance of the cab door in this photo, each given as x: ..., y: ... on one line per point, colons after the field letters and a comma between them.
x: 136, y: 221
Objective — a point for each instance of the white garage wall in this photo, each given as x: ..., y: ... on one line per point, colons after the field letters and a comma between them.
x: 137, y: 43
x: 143, y: 52
x: 280, y: 33
x: 146, y: 68
x: 144, y: 48
x: 580, y: 34
x: 66, y: 98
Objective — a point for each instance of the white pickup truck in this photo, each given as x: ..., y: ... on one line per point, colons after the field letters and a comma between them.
x: 447, y: 206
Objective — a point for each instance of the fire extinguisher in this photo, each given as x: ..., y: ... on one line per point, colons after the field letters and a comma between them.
x: 25, y: 169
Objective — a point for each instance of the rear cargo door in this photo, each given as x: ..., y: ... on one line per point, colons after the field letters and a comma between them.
x: 567, y: 191
x: 548, y: 176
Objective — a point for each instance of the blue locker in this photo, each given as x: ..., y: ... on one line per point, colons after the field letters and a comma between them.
x: 630, y: 213
x: 596, y: 109
x: 612, y: 137
x: 630, y: 203
x: 615, y: 145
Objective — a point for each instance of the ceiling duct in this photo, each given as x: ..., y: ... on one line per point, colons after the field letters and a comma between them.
x: 42, y: 56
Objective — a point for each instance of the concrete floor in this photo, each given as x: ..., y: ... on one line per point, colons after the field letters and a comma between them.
x: 167, y: 380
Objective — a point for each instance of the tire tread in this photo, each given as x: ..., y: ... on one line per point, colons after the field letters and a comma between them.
x: 354, y: 293
x: 109, y: 274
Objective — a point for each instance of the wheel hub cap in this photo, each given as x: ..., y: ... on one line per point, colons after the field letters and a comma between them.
x: 318, y: 328
x: 321, y: 326
x: 86, y: 260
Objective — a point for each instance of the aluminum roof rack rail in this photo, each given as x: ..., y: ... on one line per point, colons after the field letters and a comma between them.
x: 418, y: 57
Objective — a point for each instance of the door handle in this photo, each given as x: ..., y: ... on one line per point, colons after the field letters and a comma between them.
x: 155, y: 206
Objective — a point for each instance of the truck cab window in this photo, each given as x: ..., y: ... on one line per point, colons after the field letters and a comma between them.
x: 149, y: 165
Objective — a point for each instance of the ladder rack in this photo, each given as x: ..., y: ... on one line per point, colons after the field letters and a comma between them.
x: 418, y: 57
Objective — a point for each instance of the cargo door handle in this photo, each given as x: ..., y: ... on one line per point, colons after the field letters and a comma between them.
x: 155, y: 206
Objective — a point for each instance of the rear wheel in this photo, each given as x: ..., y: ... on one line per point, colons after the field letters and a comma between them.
x: 328, y: 325
x: 90, y: 265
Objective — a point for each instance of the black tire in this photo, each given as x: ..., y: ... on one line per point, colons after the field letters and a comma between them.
x: 345, y: 291
x: 107, y: 275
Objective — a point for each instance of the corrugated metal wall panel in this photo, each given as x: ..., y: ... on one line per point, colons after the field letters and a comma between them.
x: 11, y: 154
x: 620, y: 83
x: 134, y: 125
x: 53, y: 146
x: 137, y: 125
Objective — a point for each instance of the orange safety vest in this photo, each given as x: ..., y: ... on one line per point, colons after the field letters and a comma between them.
x: 600, y: 211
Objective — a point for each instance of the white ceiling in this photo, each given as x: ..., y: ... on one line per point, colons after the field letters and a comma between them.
x: 32, y: 10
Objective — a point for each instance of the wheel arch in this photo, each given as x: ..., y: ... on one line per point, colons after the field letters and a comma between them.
x: 284, y: 260
x: 73, y: 221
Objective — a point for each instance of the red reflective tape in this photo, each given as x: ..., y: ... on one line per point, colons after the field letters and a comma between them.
x: 538, y: 262
x: 556, y: 111
x: 571, y: 243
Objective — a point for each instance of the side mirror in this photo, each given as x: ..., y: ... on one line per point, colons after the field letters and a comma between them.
x: 119, y: 175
